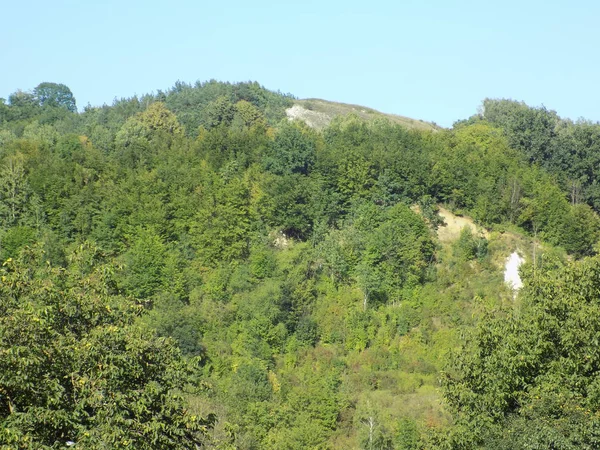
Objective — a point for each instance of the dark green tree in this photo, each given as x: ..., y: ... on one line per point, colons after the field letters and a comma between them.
x: 55, y: 95
x: 292, y: 151
x: 582, y: 231
x: 528, y: 129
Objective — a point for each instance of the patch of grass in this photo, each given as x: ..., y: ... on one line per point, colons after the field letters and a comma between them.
x: 319, y: 114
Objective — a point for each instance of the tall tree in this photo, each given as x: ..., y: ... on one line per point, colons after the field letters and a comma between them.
x: 292, y: 151
x: 55, y: 95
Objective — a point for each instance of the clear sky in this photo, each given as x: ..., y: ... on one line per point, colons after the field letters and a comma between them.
x: 430, y: 59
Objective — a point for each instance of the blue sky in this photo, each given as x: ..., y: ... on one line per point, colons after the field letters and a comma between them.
x: 433, y: 60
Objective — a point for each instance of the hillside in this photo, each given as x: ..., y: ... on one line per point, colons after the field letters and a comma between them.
x: 319, y: 113
x: 190, y: 268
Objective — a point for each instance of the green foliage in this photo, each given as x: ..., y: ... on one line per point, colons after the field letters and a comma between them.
x: 144, y: 264
x: 14, y: 190
x: 219, y: 112
x: 528, y: 129
x: 262, y: 262
x: 135, y: 138
x: 567, y: 150
x: 44, y: 134
x: 248, y: 115
x: 75, y: 367
x: 293, y: 150
x: 310, y: 410
x: 402, y: 247
x: 374, y: 435
x: 301, y: 265
x: 191, y: 102
x: 581, y: 231
x: 386, y: 252
x: 174, y: 318
x: 469, y: 247
x: 537, y: 370
x: 15, y: 239
x: 288, y: 203
x: 407, y: 436
x: 23, y: 105
x: 221, y: 229
x: 55, y: 95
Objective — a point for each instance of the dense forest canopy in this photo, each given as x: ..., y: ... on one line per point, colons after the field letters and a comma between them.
x: 191, y: 268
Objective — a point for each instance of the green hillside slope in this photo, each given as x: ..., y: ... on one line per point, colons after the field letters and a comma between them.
x: 191, y: 268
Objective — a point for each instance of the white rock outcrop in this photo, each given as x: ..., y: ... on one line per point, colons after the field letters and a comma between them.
x: 511, y: 271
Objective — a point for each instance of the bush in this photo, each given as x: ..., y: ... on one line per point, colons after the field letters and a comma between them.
x: 469, y: 247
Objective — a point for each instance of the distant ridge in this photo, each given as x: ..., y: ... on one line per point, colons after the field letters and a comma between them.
x: 318, y: 113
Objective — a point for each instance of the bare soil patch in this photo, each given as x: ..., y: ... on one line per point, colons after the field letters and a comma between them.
x: 455, y: 224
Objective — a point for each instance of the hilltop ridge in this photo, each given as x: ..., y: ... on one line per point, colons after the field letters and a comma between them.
x: 318, y: 114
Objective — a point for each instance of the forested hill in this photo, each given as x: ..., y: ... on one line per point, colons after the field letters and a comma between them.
x: 193, y: 268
